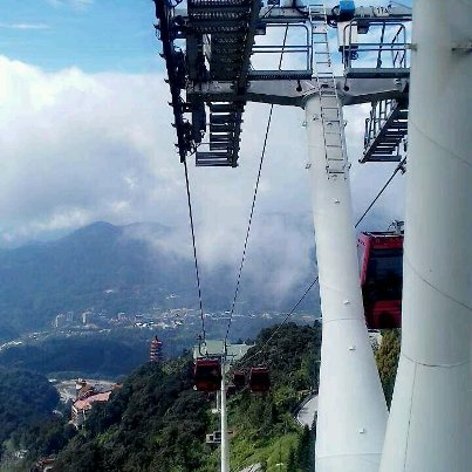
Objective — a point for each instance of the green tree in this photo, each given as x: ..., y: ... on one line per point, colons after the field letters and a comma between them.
x: 291, y: 461
x: 304, y: 449
x: 387, y: 357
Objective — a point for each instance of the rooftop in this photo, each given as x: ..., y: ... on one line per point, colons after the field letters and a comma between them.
x: 86, y: 403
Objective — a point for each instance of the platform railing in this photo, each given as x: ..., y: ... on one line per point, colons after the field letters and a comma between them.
x: 383, y: 48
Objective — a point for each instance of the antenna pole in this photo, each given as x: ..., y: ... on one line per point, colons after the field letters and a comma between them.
x: 352, y: 413
x: 224, y: 421
x: 430, y: 424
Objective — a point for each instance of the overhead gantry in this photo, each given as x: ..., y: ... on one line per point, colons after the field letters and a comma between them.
x: 211, y: 47
x: 212, y: 55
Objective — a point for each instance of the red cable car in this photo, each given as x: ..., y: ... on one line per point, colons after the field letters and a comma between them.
x: 382, y: 278
x: 239, y: 379
x: 207, y: 374
x: 259, y: 380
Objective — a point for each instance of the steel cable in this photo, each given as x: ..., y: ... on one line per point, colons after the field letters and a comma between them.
x: 400, y: 167
x: 279, y: 327
x: 253, y: 206
x: 195, y: 256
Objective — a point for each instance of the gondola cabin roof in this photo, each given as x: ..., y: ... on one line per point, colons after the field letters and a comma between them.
x: 380, y: 239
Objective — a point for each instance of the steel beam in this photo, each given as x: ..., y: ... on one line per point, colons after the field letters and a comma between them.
x: 293, y: 92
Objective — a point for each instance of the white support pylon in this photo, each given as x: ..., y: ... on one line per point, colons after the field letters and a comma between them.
x: 430, y: 424
x: 224, y: 423
x: 352, y: 413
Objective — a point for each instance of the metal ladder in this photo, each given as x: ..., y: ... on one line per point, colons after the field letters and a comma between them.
x: 331, y: 110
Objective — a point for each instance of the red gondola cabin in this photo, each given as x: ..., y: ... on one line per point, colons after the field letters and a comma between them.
x: 207, y: 375
x: 259, y: 380
x: 382, y: 278
x: 239, y: 379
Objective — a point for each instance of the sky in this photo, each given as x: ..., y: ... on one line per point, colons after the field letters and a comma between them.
x: 85, y: 135
x: 95, y: 35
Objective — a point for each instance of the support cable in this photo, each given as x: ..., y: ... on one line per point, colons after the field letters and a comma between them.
x: 253, y: 206
x: 400, y: 167
x: 288, y: 315
x: 248, y: 230
x: 195, y: 256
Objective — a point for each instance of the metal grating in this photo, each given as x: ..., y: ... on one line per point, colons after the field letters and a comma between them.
x: 225, y: 130
x: 225, y: 29
x: 385, y: 130
x: 227, y: 26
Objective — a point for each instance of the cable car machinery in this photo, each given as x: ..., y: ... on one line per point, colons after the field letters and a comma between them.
x: 208, y: 49
x: 211, y: 53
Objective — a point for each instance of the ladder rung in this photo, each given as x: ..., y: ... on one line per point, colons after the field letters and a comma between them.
x: 391, y: 133
x: 224, y: 107
x: 220, y: 146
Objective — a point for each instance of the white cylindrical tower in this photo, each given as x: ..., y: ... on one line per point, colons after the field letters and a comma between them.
x: 430, y: 425
x: 352, y: 414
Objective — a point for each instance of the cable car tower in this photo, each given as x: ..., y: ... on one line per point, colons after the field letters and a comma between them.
x: 211, y: 50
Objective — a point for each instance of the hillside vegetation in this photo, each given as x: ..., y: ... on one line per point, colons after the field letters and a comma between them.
x: 265, y: 430
x: 387, y: 361
x: 93, y: 355
x: 26, y: 399
x: 156, y: 421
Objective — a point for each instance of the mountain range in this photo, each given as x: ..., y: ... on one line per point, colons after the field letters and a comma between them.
x: 110, y: 269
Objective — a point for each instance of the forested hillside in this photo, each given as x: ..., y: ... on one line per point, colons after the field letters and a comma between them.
x: 156, y: 421
x: 95, y: 355
x: 26, y: 399
x: 387, y: 361
x: 266, y: 432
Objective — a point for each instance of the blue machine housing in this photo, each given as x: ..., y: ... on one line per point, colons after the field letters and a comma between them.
x: 347, y: 9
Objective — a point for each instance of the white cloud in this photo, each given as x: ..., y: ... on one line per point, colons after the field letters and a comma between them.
x: 78, y: 148
x: 25, y: 26
x: 76, y: 4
